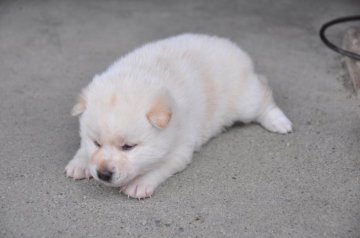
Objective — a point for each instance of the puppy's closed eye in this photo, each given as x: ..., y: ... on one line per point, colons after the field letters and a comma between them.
x: 127, y: 147
x: 97, y: 143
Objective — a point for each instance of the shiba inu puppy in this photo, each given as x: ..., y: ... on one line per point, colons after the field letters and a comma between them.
x: 142, y: 119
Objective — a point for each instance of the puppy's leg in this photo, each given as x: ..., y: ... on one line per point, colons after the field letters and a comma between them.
x: 78, y: 167
x: 256, y: 103
x: 145, y: 185
x: 274, y: 120
x: 270, y: 116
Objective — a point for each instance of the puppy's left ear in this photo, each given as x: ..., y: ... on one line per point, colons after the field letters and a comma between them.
x: 160, y: 112
x: 80, y: 106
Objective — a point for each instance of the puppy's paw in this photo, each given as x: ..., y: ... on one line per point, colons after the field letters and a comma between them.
x: 280, y: 125
x: 77, y: 169
x: 276, y: 121
x: 139, y: 189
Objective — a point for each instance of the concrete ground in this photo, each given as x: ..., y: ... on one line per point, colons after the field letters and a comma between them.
x: 244, y: 183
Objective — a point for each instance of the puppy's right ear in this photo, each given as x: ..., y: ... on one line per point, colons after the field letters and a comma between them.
x: 80, y: 106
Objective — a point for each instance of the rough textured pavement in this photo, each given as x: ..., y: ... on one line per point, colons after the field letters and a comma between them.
x: 244, y: 183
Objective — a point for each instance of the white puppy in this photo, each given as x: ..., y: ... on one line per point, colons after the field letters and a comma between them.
x: 142, y: 119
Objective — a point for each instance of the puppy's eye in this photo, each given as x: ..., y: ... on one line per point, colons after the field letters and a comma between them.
x: 97, y: 144
x: 127, y: 147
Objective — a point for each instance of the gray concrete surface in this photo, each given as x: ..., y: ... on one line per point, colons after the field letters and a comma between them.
x: 244, y: 183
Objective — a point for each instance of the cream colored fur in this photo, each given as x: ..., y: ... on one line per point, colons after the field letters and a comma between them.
x: 167, y: 98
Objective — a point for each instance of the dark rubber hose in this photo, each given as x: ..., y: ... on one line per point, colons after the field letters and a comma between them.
x: 331, y: 45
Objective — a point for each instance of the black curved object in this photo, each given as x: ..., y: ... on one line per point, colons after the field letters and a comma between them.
x: 333, y: 46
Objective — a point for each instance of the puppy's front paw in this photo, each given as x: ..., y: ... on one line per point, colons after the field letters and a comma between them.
x: 77, y: 169
x: 139, y: 189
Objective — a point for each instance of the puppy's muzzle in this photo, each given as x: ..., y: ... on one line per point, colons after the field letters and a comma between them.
x: 104, y: 175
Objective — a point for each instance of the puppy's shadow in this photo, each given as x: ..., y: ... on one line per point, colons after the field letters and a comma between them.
x: 237, y: 124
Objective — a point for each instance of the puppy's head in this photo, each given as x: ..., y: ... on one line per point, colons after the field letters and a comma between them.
x: 126, y: 128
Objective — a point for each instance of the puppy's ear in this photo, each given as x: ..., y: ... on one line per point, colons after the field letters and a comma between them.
x: 160, y: 112
x: 80, y: 106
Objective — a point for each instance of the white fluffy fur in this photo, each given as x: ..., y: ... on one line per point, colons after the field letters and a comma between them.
x: 205, y: 83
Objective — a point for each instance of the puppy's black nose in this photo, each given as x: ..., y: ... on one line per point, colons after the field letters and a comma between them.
x: 104, y: 175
